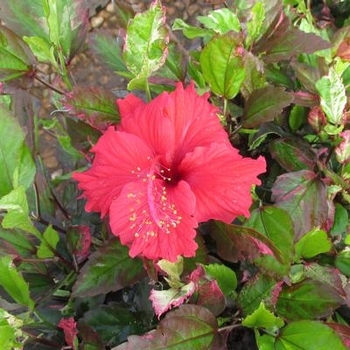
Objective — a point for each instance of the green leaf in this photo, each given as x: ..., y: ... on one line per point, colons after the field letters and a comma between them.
x: 308, y: 335
x: 18, y: 240
x: 342, y: 261
x: 304, y: 196
x: 17, y: 216
x: 189, y: 327
x: 221, y: 21
x: 68, y: 23
x: 308, y: 299
x: 9, y: 331
x: 41, y: 49
x: 13, y: 283
x: 66, y: 143
x: 257, y: 289
x: 225, y: 277
x: 145, y: 47
x: 222, y: 65
x: 173, y: 270
x: 263, y: 318
x: 108, y: 51
x: 93, y: 105
x: 313, y: 243
x: 16, y: 59
x: 109, y: 269
x: 264, y: 105
x: 297, y: 117
x: 333, y: 96
x: 48, y: 244
x: 277, y: 226
x: 113, y: 322
x: 191, y: 32
x: 255, y: 25
x: 14, y: 154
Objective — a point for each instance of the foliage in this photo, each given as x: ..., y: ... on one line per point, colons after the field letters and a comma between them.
x: 278, y: 73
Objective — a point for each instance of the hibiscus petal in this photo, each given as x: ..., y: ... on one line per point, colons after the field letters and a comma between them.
x: 155, y: 221
x: 148, y: 122
x: 119, y: 158
x: 128, y: 105
x: 195, y: 120
x: 221, y: 180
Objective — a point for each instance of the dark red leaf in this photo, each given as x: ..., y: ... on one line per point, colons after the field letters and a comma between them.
x: 264, y: 105
x: 285, y: 41
x: 304, y: 196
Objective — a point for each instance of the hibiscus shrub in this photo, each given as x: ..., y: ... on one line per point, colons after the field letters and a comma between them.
x: 202, y: 205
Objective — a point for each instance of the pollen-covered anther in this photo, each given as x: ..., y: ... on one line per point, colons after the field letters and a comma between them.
x: 133, y: 217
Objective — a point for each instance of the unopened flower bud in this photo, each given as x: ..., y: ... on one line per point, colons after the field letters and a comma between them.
x: 342, y: 152
x: 317, y: 119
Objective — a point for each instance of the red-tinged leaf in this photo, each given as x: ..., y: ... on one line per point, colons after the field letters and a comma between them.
x: 285, y: 41
x: 326, y: 275
x: 164, y: 300
x: 307, y: 335
x: 308, y: 299
x: 89, y: 336
x: 108, y: 269
x: 341, y: 43
x: 307, y: 75
x: 62, y: 22
x: 260, y: 288
x: 304, y: 196
x: 16, y: 59
x: 208, y: 292
x: 94, y: 105
x: 24, y: 17
x: 79, y: 240
x: 275, y: 224
x: 189, y: 327
x: 343, y: 331
x: 293, y: 43
x: 264, y: 105
x: 235, y: 243
x: 211, y: 297
x: 293, y: 154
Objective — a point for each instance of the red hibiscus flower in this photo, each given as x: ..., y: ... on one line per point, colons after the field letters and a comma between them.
x: 168, y: 166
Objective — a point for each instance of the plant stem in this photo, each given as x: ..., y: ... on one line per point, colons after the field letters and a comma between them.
x: 148, y: 91
x: 48, y: 85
